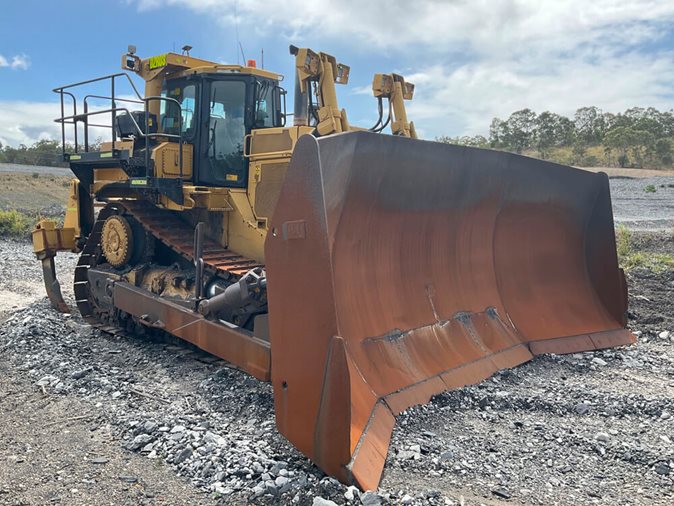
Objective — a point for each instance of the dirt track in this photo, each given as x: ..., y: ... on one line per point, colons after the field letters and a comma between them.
x: 60, y: 449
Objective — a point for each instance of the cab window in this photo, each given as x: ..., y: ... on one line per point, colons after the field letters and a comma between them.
x: 264, y: 104
x: 170, y: 113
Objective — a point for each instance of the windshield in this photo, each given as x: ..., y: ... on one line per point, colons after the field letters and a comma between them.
x: 227, y: 131
x: 169, y: 118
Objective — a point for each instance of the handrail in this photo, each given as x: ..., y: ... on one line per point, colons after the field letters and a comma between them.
x: 63, y: 127
x: 139, y: 130
x: 86, y: 109
x: 180, y: 129
x: 117, y: 99
x: 110, y: 76
x: 75, y: 118
x: 103, y: 111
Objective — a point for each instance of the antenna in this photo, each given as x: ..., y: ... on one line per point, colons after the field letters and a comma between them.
x: 262, y: 57
x: 236, y: 31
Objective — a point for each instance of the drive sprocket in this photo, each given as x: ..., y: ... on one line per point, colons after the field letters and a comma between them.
x: 117, y: 240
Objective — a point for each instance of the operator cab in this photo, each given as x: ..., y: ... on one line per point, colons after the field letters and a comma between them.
x: 218, y: 111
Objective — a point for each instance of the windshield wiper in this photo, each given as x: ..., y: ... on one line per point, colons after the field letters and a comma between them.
x: 211, y: 141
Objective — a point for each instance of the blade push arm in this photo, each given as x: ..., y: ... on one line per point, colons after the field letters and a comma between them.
x: 322, y: 71
x: 394, y: 88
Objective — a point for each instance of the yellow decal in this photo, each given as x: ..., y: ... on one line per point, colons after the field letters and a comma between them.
x: 139, y: 182
x: 157, y: 61
x: 232, y: 177
x: 75, y: 157
x: 106, y: 155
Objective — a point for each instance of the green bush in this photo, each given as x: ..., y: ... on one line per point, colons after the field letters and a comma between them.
x: 650, y: 189
x: 15, y: 224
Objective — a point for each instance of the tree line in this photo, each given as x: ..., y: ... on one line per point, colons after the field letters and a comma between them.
x: 44, y: 152
x: 638, y: 137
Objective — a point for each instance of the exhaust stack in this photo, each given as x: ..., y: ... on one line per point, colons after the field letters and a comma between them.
x: 301, y: 98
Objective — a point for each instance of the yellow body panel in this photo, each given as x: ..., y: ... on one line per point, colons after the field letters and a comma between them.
x: 48, y: 237
x: 199, y: 197
x: 166, y: 158
x: 244, y: 235
x: 269, y: 153
x: 121, y: 145
x: 103, y: 177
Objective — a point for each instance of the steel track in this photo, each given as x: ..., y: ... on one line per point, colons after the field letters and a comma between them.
x: 166, y: 227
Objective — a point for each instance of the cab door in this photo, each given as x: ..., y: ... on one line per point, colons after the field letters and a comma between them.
x: 225, y: 123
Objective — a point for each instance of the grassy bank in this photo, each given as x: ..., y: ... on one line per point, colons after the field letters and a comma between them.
x: 25, y: 198
x: 632, y: 256
x: 32, y: 193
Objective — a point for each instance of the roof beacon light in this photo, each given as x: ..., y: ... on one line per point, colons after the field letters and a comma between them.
x: 251, y: 63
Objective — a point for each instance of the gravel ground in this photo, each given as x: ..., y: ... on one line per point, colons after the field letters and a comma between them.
x: 638, y: 209
x: 60, y: 449
x: 30, y: 169
x: 89, y: 418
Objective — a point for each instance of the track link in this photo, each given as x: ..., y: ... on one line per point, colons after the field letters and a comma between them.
x: 178, y: 235
x: 166, y: 227
x: 89, y: 258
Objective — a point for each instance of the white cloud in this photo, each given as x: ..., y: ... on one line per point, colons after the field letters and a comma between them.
x: 361, y: 90
x: 475, y: 59
x: 463, y: 100
x: 21, y: 62
x: 440, y: 25
x: 18, y: 62
x: 23, y: 122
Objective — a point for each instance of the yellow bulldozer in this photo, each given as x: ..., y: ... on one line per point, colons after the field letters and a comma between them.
x: 360, y: 272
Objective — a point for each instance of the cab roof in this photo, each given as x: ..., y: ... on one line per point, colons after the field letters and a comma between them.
x: 176, y: 65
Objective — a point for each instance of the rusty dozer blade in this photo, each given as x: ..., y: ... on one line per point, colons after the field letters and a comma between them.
x: 398, y: 269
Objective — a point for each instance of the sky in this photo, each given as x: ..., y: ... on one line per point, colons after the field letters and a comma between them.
x: 471, y: 60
